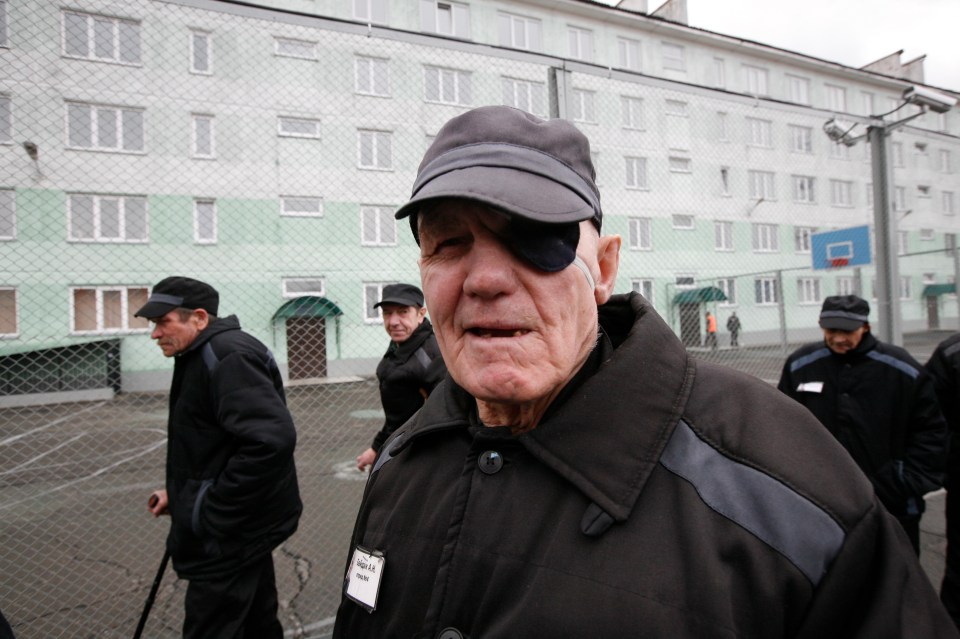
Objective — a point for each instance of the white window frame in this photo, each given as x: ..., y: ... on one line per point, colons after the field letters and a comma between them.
x: 804, y: 189
x: 636, y: 173
x: 903, y: 242
x: 199, y: 208
x: 8, y: 215
x: 673, y: 56
x: 869, y: 103
x: 580, y: 41
x: 201, y: 42
x: 645, y: 287
x: 640, y: 234
x: 896, y: 150
x: 285, y: 130
x: 448, y: 81
x: 4, y: 25
x: 683, y: 222
x: 678, y: 108
x: 98, y: 200
x: 526, y: 95
x: 373, y: 293
x: 196, y: 120
x: 123, y: 128
x: 841, y: 193
x: 678, y: 164
x: 947, y: 203
x: 583, y: 108
x: 765, y: 291
x: 297, y: 48
x: 945, y: 163
x: 729, y: 287
x: 6, y: 119
x: 301, y: 206
x: 759, y: 133
x: 906, y: 287
x: 798, y: 89
x: 762, y: 185
x: 809, y: 291
x: 445, y: 17
x: 380, y: 222
x: 836, y: 98
x: 16, y: 313
x: 93, y: 25
x: 128, y: 322
x: 519, y: 31
x: 802, y: 242
x: 374, y: 150
x: 369, y: 73
x: 845, y: 285
x: 766, y: 238
x: 722, y: 129
x: 756, y: 80
x: 899, y: 198
x: 629, y: 54
x: 315, y: 291
x: 719, y: 73
x: 631, y: 112
x: 801, y: 139
x: 722, y: 236
x: 927, y: 235
x: 370, y: 11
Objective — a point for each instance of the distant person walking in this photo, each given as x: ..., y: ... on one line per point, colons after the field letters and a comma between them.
x: 711, y: 331
x: 733, y: 326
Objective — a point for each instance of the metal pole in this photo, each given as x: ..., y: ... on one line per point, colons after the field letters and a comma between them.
x: 885, y: 234
x: 956, y: 279
x: 782, y: 312
x: 857, y: 282
x: 558, y: 81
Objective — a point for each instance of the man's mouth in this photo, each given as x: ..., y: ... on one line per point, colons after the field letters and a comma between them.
x: 494, y: 332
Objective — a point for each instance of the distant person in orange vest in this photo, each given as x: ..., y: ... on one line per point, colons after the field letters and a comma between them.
x: 711, y: 331
x: 733, y: 325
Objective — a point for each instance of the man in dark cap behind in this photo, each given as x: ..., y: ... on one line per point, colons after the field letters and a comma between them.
x: 412, y: 365
x: 878, y: 402
x: 577, y: 474
x: 231, y: 486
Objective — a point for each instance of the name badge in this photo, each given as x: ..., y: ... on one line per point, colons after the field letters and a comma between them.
x: 363, y: 577
x: 810, y: 387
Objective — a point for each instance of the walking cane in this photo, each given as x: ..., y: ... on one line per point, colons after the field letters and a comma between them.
x: 148, y: 604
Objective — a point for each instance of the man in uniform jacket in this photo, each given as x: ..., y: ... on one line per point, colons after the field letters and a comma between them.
x: 231, y: 486
x: 878, y: 402
x: 410, y: 368
x: 577, y: 474
x: 944, y: 368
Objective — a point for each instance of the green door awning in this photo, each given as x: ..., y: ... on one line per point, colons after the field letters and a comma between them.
x: 936, y: 290
x: 698, y: 295
x: 307, y: 306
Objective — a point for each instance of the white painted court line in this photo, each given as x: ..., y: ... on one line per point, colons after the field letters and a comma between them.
x: 42, y: 455
x: 10, y: 440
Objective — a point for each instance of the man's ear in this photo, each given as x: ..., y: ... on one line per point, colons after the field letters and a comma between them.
x: 608, y: 258
x: 421, y: 312
x: 203, y: 318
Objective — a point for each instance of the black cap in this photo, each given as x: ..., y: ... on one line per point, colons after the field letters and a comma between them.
x: 537, y: 171
x: 179, y: 292
x: 844, y: 312
x: 402, y: 294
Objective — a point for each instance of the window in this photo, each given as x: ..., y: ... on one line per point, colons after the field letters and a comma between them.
x: 378, y: 226
x: 761, y: 185
x: 370, y: 76
x: 107, y: 309
x: 674, y: 56
x: 679, y: 165
x: 9, y: 312
x: 759, y: 132
x: 525, y: 95
x: 292, y: 48
x: 641, y: 234
x: 899, y: 198
x: 4, y: 42
x: 447, y: 18
x: 519, y: 32
x: 801, y: 238
x: 724, y: 180
x: 203, y: 136
x: 95, y: 37
x: 949, y: 243
x: 729, y: 287
x: 808, y: 290
x: 205, y: 221
x: 300, y: 286
x: 301, y: 206
x: 903, y: 242
x: 836, y: 98
x: 201, y: 52
x: 841, y: 193
x: 845, y: 286
x: 798, y: 89
x: 685, y: 281
x: 765, y: 290
x: 104, y: 128
x: 372, y: 292
x: 375, y: 150
x: 923, y: 190
x: 290, y: 127
x: 927, y: 235
x: 905, y: 287
x: 946, y: 203
x: 644, y: 287
x: 722, y: 126
x: 106, y: 218
x: 755, y: 80
x: 581, y: 43
x: 765, y: 238
x: 896, y: 149
x: 675, y: 107
x: 868, y: 103
x: 628, y: 54
x: 723, y: 236
x: 447, y: 86
x: 636, y: 173
x: 801, y: 139
x: 583, y: 106
x: 804, y: 189
x: 631, y: 110
x: 944, y: 165
x: 682, y: 222
x: 6, y: 120
x: 719, y: 73
x: 370, y: 11
x: 8, y: 214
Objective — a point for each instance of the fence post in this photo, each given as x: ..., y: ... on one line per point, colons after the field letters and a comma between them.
x: 782, y: 313
x: 885, y: 234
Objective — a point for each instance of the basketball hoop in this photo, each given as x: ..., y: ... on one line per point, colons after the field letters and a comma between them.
x: 837, y: 262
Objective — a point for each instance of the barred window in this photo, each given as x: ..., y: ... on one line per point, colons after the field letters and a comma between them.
x: 99, y: 127
x: 448, y: 86
x: 102, y: 38
x: 107, y: 218
x: 371, y: 76
x: 107, y: 309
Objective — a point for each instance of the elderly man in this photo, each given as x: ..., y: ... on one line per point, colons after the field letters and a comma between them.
x: 878, y: 402
x: 577, y: 474
x: 231, y: 486
x: 410, y: 368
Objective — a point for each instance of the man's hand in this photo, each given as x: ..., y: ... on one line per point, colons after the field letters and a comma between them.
x: 157, y: 504
x: 366, y: 458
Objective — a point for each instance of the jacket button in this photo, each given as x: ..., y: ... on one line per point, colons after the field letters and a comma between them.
x: 450, y: 633
x: 490, y: 462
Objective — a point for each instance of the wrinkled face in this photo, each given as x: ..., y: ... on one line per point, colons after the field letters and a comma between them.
x: 174, y: 334
x: 509, y: 333
x: 401, y: 321
x: 842, y: 341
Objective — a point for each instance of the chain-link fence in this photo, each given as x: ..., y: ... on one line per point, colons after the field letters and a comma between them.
x: 264, y: 152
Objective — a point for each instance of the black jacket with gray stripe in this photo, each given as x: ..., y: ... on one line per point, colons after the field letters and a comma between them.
x: 659, y: 497
x: 231, y: 479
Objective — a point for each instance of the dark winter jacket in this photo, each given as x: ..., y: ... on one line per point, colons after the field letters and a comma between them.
x: 658, y: 497
x: 231, y: 479
x: 944, y: 369
x: 407, y: 373
x: 880, y: 404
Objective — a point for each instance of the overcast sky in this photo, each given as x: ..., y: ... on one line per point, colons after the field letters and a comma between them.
x: 851, y: 32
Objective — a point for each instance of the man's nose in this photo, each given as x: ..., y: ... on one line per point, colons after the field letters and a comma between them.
x: 491, y: 268
x: 155, y: 334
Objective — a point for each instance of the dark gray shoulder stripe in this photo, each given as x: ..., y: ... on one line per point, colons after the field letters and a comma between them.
x: 385, y: 453
x: 422, y: 357
x: 209, y: 357
x: 950, y: 350
x: 808, y: 359
x: 889, y: 360
x: 786, y: 521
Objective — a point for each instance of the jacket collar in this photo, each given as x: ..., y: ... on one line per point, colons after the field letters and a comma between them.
x: 403, y: 350
x: 607, y: 437
x: 217, y: 326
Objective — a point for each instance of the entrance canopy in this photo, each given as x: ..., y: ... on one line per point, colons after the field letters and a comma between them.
x: 936, y: 290
x: 307, y: 306
x: 698, y: 295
